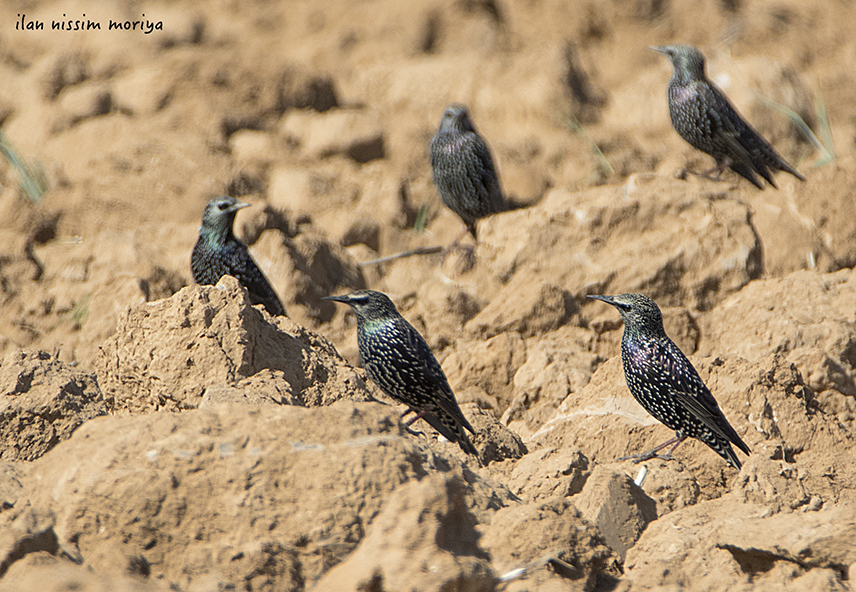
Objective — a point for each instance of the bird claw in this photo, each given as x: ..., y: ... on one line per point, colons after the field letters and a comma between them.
x: 412, y: 431
x: 714, y: 174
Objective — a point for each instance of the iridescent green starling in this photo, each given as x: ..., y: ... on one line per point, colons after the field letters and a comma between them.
x: 217, y: 253
x: 398, y: 360
x: 463, y: 169
x: 704, y: 117
x: 664, y: 382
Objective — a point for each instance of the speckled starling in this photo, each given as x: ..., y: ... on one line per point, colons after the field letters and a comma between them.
x: 217, y: 253
x: 664, y: 382
x: 463, y: 169
x: 704, y: 117
x: 398, y: 360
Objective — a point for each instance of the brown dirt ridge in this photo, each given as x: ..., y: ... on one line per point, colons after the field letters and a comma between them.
x: 157, y: 435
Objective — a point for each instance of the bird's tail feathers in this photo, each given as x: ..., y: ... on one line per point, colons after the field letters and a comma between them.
x: 723, y: 448
x: 453, y: 433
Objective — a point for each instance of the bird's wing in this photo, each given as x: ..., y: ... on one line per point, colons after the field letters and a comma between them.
x: 701, y: 412
x: 445, y: 398
x: 715, y: 422
x: 691, y: 393
x: 488, y: 179
x: 745, y: 144
x: 762, y: 154
x: 726, y: 121
x: 245, y: 269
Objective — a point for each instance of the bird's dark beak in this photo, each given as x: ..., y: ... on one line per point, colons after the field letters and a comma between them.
x: 240, y: 205
x: 344, y: 299
x: 658, y: 48
x: 607, y: 299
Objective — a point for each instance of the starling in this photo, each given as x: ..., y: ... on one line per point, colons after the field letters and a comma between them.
x: 398, y: 360
x: 704, y: 117
x: 217, y: 253
x: 664, y: 382
x: 463, y: 169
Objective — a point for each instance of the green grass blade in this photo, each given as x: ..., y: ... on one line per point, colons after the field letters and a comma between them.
x: 31, y: 175
x: 421, y: 219
x: 825, y: 148
x: 576, y: 127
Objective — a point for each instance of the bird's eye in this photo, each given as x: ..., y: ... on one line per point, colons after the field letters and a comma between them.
x: 624, y: 307
x: 222, y: 206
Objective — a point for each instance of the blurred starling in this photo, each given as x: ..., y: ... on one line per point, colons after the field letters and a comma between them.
x: 398, y: 360
x: 664, y: 382
x: 704, y: 117
x: 463, y: 169
x: 218, y: 253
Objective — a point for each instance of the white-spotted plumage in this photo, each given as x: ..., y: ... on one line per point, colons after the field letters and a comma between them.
x: 399, y: 361
x: 463, y: 170
x: 703, y: 116
x: 664, y: 381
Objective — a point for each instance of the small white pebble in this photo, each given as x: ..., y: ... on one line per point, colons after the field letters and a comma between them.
x: 640, y: 477
x: 516, y: 573
x: 814, y: 504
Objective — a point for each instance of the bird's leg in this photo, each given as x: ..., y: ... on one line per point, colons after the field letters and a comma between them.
x: 674, y: 443
x: 455, y: 244
x: 414, y: 419
x: 678, y: 442
x: 468, y: 256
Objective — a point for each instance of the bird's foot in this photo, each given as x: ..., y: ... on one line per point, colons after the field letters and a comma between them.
x: 638, y: 458
x: 467, y: 259
x: 684, y: 174
x: 412, y: 431
x: 413, y: 419
x: 714, y: 174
